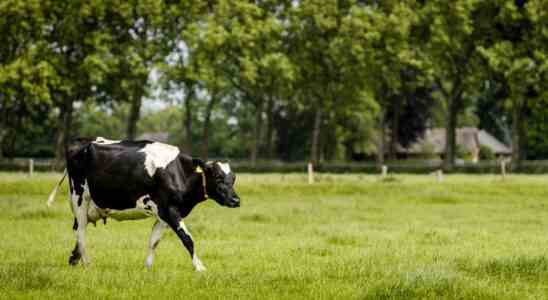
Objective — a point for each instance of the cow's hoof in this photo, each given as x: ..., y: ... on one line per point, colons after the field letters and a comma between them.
x: 148, y: 263
x: 198, y: 265
x: 74, y: 259
x: 200, y: 268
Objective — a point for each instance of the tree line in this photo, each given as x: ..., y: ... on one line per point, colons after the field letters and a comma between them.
x: 293, y: 79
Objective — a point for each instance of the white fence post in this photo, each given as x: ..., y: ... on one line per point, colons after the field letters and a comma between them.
x: 384, y: 171
x: 503, y: 168
x: 439, y: 174
x: 310, y: 173
x: 31, y: 167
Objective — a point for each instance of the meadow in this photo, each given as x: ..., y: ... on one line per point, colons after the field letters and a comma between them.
x: 345, y: 237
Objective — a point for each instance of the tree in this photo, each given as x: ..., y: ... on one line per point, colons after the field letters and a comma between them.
x: 257, y: 66
x: 24, y: 77
x: 452, y: 31
x: 382, y: 42
x: 76, y: 46
x: 518, y: 57
x: 316, y: 41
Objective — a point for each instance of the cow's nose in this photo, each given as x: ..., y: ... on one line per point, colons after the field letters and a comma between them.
x: 236, y: 201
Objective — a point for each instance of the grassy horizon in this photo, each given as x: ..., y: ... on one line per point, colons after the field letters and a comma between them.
x: 345, y: 237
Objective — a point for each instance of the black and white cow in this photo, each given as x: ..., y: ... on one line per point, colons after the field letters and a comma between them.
x: 127, y: 180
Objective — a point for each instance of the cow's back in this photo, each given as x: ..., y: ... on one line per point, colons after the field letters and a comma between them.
x: 114, y: 172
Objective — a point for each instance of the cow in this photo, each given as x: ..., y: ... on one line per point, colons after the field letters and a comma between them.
x: 127, y: 180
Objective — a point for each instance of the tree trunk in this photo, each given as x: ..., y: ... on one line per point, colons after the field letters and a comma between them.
x: 518, y: 136
x: 187, y: 122
x: 450, y: 134
x: 314, y: 148
x: 63, y: 131
x: 257, y: 132
x: 2, y: 133
x: 270, y: 128
x: 3, y: 123
x: 394, y: 129
x: 380, y: 141
x: 134, y: 115
x: 207, y: 120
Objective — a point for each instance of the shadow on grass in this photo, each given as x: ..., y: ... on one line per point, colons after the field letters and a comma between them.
x: 520, y: 267
x: 256, y: 218
x: 342, y: 240
x: 442, y: 199
x: 390, y: 179
x: 37, y: 214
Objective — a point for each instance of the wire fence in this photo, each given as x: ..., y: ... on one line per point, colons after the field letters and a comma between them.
x: 399, y: 166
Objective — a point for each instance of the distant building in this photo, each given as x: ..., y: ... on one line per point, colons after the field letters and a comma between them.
x: 470, y: 138
x: 161, y: 137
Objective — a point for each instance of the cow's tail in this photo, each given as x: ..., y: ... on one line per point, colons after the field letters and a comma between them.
x: 51, y: 197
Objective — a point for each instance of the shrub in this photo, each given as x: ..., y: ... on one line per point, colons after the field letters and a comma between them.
x: 486, y: 153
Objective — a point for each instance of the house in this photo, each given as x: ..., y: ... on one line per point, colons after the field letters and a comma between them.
x: 470, y: 138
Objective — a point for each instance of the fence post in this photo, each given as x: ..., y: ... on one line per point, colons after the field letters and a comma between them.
x: 31, y: 167
x: 384, y: 171
x: 503, y: 168
x: 310, y: 173
x: 439, y: 174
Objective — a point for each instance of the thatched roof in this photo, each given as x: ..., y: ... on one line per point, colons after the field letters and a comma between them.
x: 468, y: 137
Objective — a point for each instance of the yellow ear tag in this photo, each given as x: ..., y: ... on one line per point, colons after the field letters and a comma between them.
x: 199, y: 169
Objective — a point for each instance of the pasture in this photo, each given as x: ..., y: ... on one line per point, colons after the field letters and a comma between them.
x: 345, y: 237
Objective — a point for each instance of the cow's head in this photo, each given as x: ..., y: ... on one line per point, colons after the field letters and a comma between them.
x: 220, y: 183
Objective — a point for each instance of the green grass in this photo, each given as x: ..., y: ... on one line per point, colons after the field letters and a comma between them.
x: 346, y: 237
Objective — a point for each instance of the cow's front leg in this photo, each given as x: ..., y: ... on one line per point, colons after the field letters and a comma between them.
x: 175, y: 221
x: 155, y: 237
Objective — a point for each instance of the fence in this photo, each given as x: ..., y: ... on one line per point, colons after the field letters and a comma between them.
x: 402, y: 166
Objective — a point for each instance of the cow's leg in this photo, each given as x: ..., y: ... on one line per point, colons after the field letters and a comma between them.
x: 82, y: 220
x: 174, y: 220
x: 75, y: 256
x: 154, y: 240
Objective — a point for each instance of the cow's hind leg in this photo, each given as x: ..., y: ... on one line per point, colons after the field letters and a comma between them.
x: 174, y: 220
x: 75, y: 256
x: 155, y: 237
x: 82, y: 220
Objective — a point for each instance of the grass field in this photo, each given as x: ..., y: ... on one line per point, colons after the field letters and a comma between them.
x: 346, y: 237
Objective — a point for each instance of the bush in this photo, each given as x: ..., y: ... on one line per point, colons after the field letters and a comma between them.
x: 461, y: 152
x: 486, y: 153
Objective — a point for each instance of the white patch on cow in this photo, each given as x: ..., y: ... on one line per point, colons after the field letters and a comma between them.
x: 158, y: 155
x: 183, y: 226
x: 197, y: 263
x: 225, y: 167
x: 103, y: 141
x: 73, y: 198
x: 82, y: 219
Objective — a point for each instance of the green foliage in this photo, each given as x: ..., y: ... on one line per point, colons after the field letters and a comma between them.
x: 485, y: 153
x: 462, y: 153
x: 277, y: 77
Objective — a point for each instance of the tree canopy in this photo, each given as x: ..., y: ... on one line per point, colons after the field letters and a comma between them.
x: 291, y: 80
